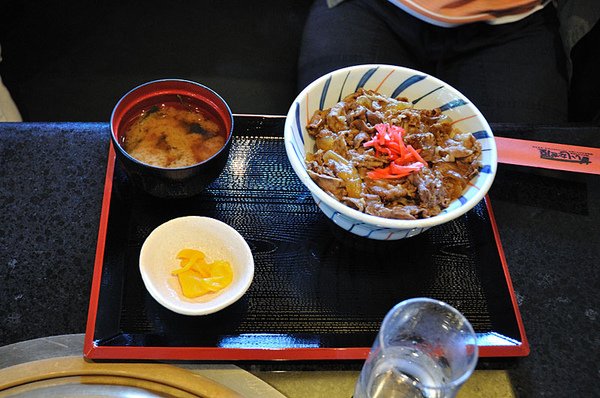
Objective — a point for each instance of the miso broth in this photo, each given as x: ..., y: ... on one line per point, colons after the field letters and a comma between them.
x: 172, y: 135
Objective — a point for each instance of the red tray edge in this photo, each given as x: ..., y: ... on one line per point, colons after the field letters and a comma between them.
x: 88, y: 343
x: 523, y: 349
x: 93, y: 351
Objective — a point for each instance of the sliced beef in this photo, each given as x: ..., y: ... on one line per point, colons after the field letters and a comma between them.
x: 336, y: 118
x: 388, y: 192
x: 333, y: 185
x: 355, y: 203
x: 452, y: 157
x: 367, y: 160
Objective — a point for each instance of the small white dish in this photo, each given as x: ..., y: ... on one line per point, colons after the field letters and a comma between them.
x: 217, y: 240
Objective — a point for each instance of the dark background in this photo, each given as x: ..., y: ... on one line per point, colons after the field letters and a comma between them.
x: 72, y: 60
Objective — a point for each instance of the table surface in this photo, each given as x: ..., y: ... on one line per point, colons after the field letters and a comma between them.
x: 51, y: 185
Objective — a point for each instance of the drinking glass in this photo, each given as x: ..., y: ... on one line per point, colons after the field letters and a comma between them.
x: 424, y: 348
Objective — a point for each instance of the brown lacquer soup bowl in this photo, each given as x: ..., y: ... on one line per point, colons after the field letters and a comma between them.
x: 172, y: 136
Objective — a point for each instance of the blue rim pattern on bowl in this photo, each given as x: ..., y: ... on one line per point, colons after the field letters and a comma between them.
x: 420, y: 89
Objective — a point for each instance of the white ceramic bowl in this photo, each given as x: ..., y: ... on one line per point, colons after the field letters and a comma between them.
x: 217, y: 240
x: 425, y: 92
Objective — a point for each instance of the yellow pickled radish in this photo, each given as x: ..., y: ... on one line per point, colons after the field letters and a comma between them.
x: 222, y: 269
x: 189, y: 253
x: 186, y: 266
x: 191, y: 284
x: 188, y: 257
x: 197, y: 277
x: 202, y: 268
x: 214, y: 284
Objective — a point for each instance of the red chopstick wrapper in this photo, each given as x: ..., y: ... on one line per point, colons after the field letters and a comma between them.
x: 548, y: 155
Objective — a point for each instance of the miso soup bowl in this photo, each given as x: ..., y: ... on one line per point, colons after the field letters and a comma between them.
x: 425, y: 92
x: 166, y: 182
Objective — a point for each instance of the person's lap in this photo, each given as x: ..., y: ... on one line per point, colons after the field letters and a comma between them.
x: 348, y: 34
x: 518, y: 74
x: 513, y: 73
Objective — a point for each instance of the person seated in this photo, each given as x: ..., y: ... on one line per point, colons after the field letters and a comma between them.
x: 506, y: 57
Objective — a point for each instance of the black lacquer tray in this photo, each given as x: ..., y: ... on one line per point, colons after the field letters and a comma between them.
x: 319, y: 292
